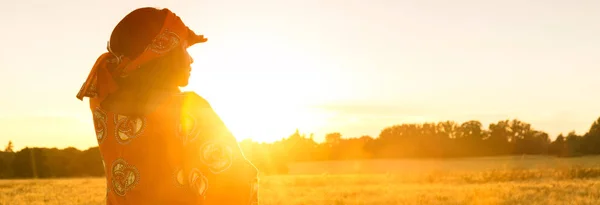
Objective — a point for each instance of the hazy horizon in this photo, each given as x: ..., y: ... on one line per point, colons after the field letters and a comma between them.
x: 353, y: 67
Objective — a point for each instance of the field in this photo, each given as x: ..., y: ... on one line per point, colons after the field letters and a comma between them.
x: 498, y: 180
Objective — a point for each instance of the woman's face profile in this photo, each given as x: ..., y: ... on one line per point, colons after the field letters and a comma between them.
x: 185, y: 69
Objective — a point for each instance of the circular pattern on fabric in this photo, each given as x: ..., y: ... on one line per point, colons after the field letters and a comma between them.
x: 128, y: 128
x: 179, y: 178
x: 124, y: 177
x: 198, y: 182
x: 164, y: 42
x: 217, y: 155
x: 100, y: 124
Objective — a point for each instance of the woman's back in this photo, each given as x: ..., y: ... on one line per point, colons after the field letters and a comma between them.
x: 159, y: 145
x: 177, y: 154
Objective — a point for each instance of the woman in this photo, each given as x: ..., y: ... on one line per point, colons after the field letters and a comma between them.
x: 160, y: 145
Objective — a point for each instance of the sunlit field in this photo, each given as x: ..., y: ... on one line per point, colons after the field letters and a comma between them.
x: 497, y: 180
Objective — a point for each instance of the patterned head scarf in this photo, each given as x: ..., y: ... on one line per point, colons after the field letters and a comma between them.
x: 101, y: 80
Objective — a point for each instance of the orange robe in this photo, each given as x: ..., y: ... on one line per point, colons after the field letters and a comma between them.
x: 182, y: 153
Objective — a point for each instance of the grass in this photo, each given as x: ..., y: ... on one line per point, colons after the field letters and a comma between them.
x: 466, y: 181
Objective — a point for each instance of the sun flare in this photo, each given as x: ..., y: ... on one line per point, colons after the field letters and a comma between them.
x: 264, y: 103
x: 267, y: 123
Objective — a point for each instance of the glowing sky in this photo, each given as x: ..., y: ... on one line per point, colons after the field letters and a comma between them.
x: 320, y: 65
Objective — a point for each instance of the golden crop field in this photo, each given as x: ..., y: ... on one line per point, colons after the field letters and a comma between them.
x: 498, y: 180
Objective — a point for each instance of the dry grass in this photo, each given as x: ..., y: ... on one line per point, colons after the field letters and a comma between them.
x: 577, y: 183
x: 362, y: 190
x: 59, y: 191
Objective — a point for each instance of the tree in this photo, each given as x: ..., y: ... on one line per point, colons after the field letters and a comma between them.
x: 498, y: 140
x: 447, y: 129
x: 333, y: 139
x: 573, y: 144
x: 9, y: 147
x: 558, y: 146
x: 30, y: 163
x: 4, y: 167
x: 470, y: 137
x: 471, y: 131
x: 592, y: 139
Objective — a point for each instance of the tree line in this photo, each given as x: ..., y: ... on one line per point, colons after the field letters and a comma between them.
x: 50, y: 163
x: 447, y: 139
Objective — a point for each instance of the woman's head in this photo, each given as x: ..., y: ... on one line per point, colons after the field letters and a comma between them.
x: 132, y: 36
x: 147, y: 51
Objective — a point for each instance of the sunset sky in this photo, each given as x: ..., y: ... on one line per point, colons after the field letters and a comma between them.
x: 271, y: 66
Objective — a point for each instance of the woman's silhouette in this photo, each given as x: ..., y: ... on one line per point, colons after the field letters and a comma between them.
x: 160, y: 145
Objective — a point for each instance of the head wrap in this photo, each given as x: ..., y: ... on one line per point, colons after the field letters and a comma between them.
x: 101, y: 80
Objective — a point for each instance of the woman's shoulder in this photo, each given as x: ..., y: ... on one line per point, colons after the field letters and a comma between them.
x: 192, y: 99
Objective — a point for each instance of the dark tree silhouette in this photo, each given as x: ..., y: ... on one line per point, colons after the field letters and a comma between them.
x: 30, y: 163
x: 427, y: 140
x: 9, y: 147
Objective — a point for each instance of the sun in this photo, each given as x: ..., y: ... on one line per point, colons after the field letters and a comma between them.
x: 264, y: 119
x: 267, y: 123
x: 259, y: 88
